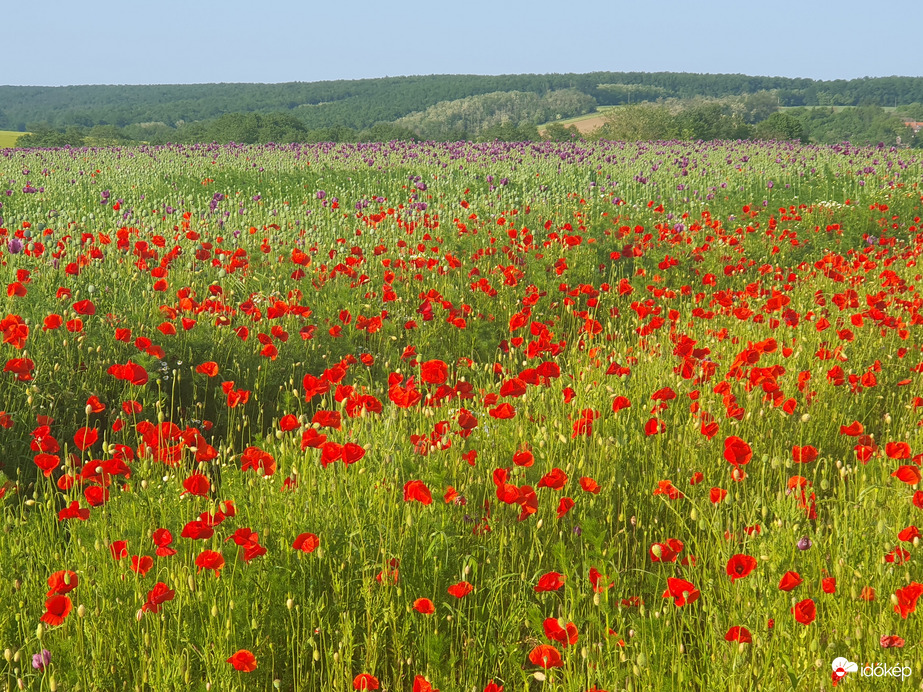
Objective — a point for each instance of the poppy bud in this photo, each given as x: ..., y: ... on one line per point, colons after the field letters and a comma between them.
x: 81, y: 611
x: 289, y: 603
x: 39, y: 631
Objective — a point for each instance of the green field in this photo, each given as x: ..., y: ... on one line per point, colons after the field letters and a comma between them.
x: 8, y: 138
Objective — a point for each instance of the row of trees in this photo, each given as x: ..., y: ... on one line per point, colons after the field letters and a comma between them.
x: 475, y: 115
x: 703, y: 120
x: 493, y: 118
x: 359, y: 104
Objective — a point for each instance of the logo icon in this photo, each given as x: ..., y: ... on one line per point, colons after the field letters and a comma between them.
x: 842, y: 666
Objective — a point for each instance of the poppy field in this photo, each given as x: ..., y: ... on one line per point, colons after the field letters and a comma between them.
x: 483, y: 417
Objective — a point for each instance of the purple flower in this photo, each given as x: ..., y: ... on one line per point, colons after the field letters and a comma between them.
x: 14, y: 245
x: 39, y: 661
x: 321, y: 194
x: 804, y: 543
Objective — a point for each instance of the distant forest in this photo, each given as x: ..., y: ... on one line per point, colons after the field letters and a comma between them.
x: 455, y: 107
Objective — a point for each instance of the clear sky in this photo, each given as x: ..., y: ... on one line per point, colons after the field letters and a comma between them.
x: 60, y: 42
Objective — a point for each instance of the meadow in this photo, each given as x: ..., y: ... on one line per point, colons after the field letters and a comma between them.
x: 415, y: 416
x: 8, y: 138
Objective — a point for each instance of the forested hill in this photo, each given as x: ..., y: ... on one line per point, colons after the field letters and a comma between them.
x: 362, y: 103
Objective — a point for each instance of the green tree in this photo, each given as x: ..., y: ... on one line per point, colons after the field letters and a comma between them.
x: 556, y: 132
x: 759, y: 106
x: 779, y: 126
x: 43, y: 135
x: 642, y: 122
x: 387, y: 132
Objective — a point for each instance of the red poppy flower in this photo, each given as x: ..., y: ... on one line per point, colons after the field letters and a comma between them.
x: 716, y: 495
x: 288, y: 423
x: 667, y: 488
x: 523, y: 458
x: 551, y: 581
x: 589, y: 485
x: 554, y: 479
x: 197, y: 530
x: 853, y: 429
x: 328, y: 419
x: 157, y: 596
x: 907, y: 535
x: 460, y: 590
x: 421, y: 684
x: 597, y: 581
x: 434, y: 372
x: 258, y: 460
x: 52, y: 322
x: 244, y: 661
x: 162, y: 539
x: 739, y: 566
x: 789, y: 581
x: 736, y: 451
x: 85, y: 438
x: 210, y: 559
x: 364, y: 681
x: 197, y: 485
x: 47, y: 463
x: 119, y: 549
x: 828, y: 584
x: 424, y: 606
x: 892, y: 641
x: 513, y: 388
x: 804, y: 455
x: 62, y: 582
x: 141, y: 564
x: 306, y: 542
x: 493, y: 687
x: 907, y: 474
x: 805, y: 611
x: 57, y: 608
x: 898, y: 450
x: 417, y: 491
x: 681, y: 591
x: 74, y: 511
x: 545, y: 656
x: 897, y: 556
x: 84, y: 307
x: 564, y: 506
x: 502, y: 412
x: 563, y: 634
x: 352, y: 453
x: 209, y: 368
x: 738, y: 634
x: 96, y: 406
x: 907, y: 598
x: 619, y: 403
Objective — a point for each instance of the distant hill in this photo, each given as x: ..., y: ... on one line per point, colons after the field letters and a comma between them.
x: 360, y: 104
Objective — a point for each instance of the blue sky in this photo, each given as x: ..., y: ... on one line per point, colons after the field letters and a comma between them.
x: 64, y: 42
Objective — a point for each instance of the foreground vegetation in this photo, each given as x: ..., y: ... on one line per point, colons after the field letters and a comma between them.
x: 459, y: 416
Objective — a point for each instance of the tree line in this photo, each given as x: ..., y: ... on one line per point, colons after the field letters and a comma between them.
x: 360, y: 104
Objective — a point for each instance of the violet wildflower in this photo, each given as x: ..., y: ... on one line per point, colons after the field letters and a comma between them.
x: 40, y: 661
